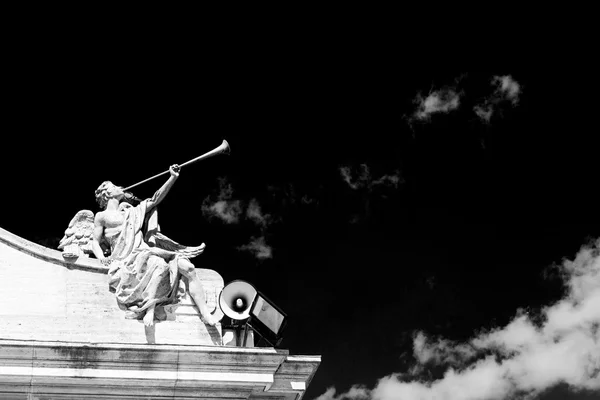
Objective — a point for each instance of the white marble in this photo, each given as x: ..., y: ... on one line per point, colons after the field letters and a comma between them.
x: 62, y: 336
x: 58, y: 370
x: 46, y: 297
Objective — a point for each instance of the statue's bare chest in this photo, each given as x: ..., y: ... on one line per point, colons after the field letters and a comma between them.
x: 113, y: 219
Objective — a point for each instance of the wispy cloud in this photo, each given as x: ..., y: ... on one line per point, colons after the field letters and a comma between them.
x: 392, y: 180
x: 361, y: 180
x: 484, y: 111
x: 307, y: 200
x: 440, y: 101
x: 223, y: 207
x: 355, y: 393
x: 364, y: 180
x: 441, y: 351
x: 356, y: 181
x: 525, y: 357
x: 254, y: 213
x: 506, y: 90
x: 258, y: 247
x: 450, y: 98
x: 228, y: 211
x: 289, y: 195
x: 508, y: 87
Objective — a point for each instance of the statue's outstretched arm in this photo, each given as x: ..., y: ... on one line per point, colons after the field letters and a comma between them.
x: 162, y: 192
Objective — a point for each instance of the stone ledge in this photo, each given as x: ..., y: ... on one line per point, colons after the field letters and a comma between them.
x: 50, y: 255
x: 67, y: 370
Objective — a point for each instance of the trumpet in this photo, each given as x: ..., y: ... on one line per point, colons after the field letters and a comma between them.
x: 223, y: 148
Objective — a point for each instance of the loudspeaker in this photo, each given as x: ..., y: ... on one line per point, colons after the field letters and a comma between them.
x: 240, y: 301
x: 236, y: 299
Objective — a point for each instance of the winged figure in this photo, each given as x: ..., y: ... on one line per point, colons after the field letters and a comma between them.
x: 78, y: 237
x: 145, y: 266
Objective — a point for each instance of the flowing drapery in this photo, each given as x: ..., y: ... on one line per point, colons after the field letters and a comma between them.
x: 141, y: 262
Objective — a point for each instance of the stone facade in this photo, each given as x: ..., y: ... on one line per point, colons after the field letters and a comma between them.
x: 62, y: 336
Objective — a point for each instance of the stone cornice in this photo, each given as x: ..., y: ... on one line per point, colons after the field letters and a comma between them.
x: 169, y: 371
x: 50, y: 255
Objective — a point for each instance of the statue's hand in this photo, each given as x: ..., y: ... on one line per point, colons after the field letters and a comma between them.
x: 106, y: 261
x: 174, y: 170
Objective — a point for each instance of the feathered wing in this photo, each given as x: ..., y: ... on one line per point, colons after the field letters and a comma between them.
x: 164, y: 242
x: 78, y: 237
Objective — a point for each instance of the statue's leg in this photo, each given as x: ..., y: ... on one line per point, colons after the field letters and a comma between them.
x: 196, y: 290
x: 152, y: 288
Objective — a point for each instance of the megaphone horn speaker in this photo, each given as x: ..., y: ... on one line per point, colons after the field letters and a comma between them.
x: 236, y: 299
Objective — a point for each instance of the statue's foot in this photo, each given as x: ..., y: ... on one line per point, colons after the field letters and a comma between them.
x: 208, y: 319
x: 149, y: 317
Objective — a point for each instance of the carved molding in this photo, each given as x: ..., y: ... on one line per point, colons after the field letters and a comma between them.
x: 67, y: 370
x: 50, y: 255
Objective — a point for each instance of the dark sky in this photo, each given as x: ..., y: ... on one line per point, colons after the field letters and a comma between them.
x: 465, y: 239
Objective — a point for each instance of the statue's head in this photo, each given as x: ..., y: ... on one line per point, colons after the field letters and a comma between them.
x: 106, y: 191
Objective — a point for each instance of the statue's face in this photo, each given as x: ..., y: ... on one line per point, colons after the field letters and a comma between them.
x: 114, y: 192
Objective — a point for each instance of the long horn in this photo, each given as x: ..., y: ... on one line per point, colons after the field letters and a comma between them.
x: 222, y: 149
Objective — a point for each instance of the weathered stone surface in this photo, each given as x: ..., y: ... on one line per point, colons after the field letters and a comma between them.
x: 46, y: 297
x: 63, y: 370
x: 62, y: 336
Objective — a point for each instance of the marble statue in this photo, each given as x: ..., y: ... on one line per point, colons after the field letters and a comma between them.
x: 145, y: 266
x: 77, y: 241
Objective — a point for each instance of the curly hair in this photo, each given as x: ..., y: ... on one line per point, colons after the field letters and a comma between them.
x: 102, y: 195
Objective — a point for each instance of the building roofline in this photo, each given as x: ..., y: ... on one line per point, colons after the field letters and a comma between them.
x: 50, y: 255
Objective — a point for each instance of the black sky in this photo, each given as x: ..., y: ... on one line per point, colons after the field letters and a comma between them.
x: 462, y: 243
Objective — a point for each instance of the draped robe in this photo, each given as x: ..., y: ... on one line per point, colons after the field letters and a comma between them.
x: 142, y: 257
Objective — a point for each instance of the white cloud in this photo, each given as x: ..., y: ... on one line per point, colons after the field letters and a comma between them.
x: 448, y: 99
x: 507, y: 89
x: 258, y: 247
x: 355, y: 393
x: 442, y: 351
x: 483, y: 380
x: 225, y: 189
x: 484, y: 111
x: 254, y: 213
x: 360, y: 181
x: 228, y: 211
x: 223, y: 208
x: 306, y: 199
x: 364, y: 179
x: 389, y: 180
x: 523, y: 357
x: 441, y: 101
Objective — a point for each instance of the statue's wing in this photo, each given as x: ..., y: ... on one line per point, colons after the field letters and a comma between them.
x: 79, y: 234
x: 164, y: 242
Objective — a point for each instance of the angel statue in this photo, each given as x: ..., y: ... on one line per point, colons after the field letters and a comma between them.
x: 77, y: 240
x: 145, y: 266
